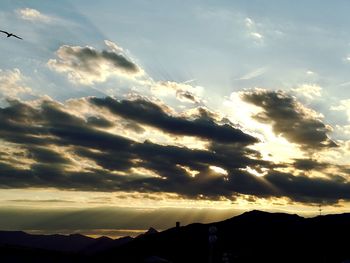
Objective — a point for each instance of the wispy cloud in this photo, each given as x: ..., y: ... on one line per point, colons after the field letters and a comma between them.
x: 344, y: 105
x: 12, y: 83
x: 344, y: 84
x: 309, y: 91
x: 253, y: 30
x: 249, y: 22
x: 31, y: 14
x: 253, y: 74
x: 256, y: 35
x: 183, y: 91
x: 310, y: 73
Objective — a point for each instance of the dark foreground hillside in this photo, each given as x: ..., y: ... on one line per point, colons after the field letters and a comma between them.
x: 251, y: 237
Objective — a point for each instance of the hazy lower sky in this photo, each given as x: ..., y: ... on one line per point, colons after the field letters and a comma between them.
x: 111, y: 108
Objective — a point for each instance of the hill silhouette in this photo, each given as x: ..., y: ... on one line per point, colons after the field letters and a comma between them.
x: 18, y: 246
x: 70, y: 243
x: 250, y: 237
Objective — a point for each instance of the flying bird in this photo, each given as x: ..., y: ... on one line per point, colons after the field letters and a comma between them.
x: 10, y: 34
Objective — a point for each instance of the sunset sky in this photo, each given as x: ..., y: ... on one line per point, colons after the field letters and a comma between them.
x: 119, y: 115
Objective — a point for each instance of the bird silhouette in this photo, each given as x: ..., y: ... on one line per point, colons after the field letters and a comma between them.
x: 10, y: 34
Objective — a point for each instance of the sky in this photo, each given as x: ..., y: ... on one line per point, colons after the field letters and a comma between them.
x: 120, y: 115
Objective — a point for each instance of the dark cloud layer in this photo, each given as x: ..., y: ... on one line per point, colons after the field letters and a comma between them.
x: 149, y: 113
x: 290, y: 119
x: 309, y: 165
x: 305, y: 189
x: 41, y: 130
x: 38, y: 129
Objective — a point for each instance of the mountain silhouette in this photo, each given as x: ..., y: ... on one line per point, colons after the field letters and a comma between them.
x: 70, y: 243
x: 104, y: 243
x: 250, y: 237
x: 18, y: 246
x: 150, y: 231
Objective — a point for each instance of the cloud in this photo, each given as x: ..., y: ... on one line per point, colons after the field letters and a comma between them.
x: 344, y: 84
x: 343, y: 106
x: 310, y: 73
x: 184, y: 92
x: 253, y: 30
x: 256, y: 35
x: 149, y: 113
x: 80, y: 150
x: 310, y: 91
x: 12, y: 83
x: 31, y: 14
x: 249, y: 22
x: 69, y: 152
x: 86, y: 65
x: 253, y: 74
x: 302, y: 188
x: 186, y: 96
x: 290, y: 119
x: 40, y: 201
x: 114, y: 47
x: 309, y: 164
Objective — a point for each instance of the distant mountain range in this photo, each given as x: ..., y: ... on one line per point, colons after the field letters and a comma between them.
x: 250, y: 237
